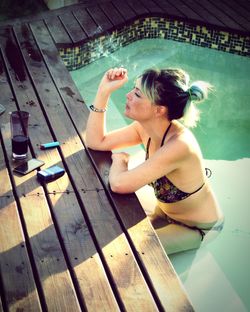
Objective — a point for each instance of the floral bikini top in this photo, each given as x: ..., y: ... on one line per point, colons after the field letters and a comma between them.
x: 165, y: 190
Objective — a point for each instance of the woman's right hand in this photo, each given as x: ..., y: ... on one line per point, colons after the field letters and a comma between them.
x: 113, y: 79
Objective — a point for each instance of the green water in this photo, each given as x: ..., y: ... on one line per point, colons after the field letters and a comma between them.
x: 216, y: 277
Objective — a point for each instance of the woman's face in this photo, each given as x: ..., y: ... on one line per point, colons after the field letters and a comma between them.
x: 138, y: 106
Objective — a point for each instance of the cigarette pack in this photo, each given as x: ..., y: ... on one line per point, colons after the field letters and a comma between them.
x: 50, y: 174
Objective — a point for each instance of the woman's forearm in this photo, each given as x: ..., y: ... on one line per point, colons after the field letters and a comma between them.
x: 96, y: 125
x: 112, y: 80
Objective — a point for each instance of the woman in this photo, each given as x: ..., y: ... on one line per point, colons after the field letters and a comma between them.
x: 186, y: 208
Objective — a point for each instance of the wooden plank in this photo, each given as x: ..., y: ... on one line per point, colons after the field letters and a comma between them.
x: 245, y: 4
x: 20, y: 291
x: 220, y: 15
x: 87, y: 23
x: 49, y: 260
x: 120, y: 259
x: 57, y: 30
x: 185, y: 10
x: 127, y: 13
x: 169, y: 9
x: 95, y: 290
x: 78, y: 242
x: 68, y: 92
x: 157, y: 265
x: 100, y: 18
x: 115, y: 17
x: 241, y: 10
x: 106, y: 228
x: 18, y: 282
x: 225, y: 8
x: 152, y: 7
x: 1, y: 305
x: 207, y: 17
x: 138, y: 7
x: 52, y: 13
x: 74, y: 30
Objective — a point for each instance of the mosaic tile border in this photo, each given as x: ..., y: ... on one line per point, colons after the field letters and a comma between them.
x: 154, y: 27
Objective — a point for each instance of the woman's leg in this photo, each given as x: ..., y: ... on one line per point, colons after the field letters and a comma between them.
x: 174, y: 237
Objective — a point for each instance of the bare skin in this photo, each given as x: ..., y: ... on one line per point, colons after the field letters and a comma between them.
x: 179, y: 158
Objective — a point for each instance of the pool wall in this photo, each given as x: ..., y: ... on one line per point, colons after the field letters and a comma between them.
x: 154, y: 27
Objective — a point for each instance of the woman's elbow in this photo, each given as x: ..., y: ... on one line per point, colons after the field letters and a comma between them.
x: 119, y: 188
x: 96, y: 145
x: 87, y: 142
x: 92, y: 145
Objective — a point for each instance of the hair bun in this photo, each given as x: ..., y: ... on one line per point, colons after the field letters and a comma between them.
x: 199, y: 91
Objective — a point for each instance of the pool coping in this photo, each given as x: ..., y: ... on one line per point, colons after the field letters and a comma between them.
x: 167, y: 28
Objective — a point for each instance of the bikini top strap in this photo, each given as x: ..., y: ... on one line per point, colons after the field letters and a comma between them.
x: 162, y: 142
x: 165, y: 134
x: 147, y: 148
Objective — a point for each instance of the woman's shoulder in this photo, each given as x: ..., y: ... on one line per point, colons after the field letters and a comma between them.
x: 182, y: 143
x: 184, y: 136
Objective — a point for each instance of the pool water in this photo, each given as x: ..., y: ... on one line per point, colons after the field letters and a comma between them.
x: 216, y: 277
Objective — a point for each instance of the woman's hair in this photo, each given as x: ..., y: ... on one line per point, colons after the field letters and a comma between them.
x: 170, y: 88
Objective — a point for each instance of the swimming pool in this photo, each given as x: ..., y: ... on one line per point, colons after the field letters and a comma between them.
x: 216, y: 276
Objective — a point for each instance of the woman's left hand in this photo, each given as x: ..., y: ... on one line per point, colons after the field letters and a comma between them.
x: 117, y: 170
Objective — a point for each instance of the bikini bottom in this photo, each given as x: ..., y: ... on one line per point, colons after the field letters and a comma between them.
x: 216, y: 227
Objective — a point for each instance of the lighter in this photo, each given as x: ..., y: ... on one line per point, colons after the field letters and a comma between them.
x: 49, y: 145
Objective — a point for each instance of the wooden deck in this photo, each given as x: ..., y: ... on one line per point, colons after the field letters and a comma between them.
x: 70, y: 245
x: 73, y: 245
